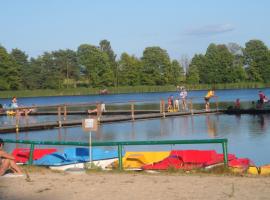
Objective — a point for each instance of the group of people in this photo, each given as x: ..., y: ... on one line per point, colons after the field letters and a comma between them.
x: 14, y: 109
x: 173, y: 104
x: 260, y: 102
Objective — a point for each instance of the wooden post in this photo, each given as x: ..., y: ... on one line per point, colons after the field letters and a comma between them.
x: 191, y: 106
x: 99, y: 113
x: 132, y: 111
x: 59, y: 116
x: 216, y: 103
x: 65, y: 112
x: 163, y: 107
x: 17, y: 123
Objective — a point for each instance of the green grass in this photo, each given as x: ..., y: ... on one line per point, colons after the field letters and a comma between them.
x: 126, y: 89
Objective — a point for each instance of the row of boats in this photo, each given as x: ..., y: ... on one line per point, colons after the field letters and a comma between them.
x: 77, y: 157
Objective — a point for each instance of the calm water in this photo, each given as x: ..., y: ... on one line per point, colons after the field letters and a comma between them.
x: 248, y: 135
x: 223, y: 95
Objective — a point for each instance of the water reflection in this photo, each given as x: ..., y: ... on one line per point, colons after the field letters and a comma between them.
x: 248, y: 135
x: 211, y: 126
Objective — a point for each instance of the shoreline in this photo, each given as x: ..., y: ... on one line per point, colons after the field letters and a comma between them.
x: 47, y: 184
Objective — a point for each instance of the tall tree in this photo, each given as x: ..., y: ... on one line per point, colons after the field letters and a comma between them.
x: 218, y: 64
x: 257, y: 60
x: 66, y: 61
x: 156, y: 63
x: 9, y: 72
x: 105, y: 47
x: 21, y: 60
x: 96, y: 64
x: 177, y: 73
x: 193, y: 72
x: 129, y: 70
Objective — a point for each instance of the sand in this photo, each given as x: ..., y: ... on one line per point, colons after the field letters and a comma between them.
x: 130, y: 186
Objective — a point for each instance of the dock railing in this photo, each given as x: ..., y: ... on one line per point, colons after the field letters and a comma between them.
x: 120, y: 144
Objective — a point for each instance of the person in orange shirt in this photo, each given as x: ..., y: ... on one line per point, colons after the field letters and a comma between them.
x: 207, y: 98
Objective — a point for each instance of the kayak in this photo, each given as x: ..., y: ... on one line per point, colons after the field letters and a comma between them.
x: 135, y: 160
x: 22, y: 154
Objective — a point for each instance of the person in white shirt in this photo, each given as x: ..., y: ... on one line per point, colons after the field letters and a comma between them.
x: 183, y: 96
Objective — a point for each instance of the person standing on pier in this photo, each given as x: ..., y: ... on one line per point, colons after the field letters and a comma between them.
x: 208, y: 96
x: 183, y: 96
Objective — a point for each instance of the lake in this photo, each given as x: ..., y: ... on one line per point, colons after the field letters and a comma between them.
x: 248, y: 135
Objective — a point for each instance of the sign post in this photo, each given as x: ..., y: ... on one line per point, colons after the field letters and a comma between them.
x: 89, y: 125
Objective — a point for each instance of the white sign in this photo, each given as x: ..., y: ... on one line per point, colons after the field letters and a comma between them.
x: 89, y: 123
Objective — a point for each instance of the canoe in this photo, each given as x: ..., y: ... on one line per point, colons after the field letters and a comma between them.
x: 76, y: 157
x: 188, y: 160
x: 135, y: 160
x: 22, y: 154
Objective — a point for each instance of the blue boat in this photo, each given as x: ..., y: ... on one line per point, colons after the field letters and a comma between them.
x: 77, y: 157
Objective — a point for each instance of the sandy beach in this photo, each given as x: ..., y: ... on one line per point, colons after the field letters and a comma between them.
x: 131, y: 186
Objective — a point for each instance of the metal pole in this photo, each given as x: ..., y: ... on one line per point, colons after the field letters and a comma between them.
x: 225, y: 153
x: 120, y: 165
x: 31, y: 154
x: 90, y: 149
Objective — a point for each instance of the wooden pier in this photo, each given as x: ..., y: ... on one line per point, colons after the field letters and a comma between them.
x: 106, y: 117
x: 64, y: 110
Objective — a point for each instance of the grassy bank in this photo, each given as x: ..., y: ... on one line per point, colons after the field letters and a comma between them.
x: 126, y: 89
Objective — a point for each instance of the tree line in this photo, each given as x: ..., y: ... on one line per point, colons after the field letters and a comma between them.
x: 98, y: 67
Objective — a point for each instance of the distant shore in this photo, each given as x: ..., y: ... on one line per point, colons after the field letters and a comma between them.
x: 125, y: 89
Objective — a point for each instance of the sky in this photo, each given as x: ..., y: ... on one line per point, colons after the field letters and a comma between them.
x: 182, y: 27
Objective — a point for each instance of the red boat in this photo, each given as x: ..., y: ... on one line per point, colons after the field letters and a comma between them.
x: 22, y: 154
x: 188, y: 159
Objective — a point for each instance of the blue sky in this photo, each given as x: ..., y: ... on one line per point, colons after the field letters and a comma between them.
x: 182, y: 27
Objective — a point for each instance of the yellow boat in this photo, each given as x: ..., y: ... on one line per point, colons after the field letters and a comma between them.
x: 265, y: 170
x: 253, y: 170
x: 135, y: 160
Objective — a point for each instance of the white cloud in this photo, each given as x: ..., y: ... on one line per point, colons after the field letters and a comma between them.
x: 210, y: 30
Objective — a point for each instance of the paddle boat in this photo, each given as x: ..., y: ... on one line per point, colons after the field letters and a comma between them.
x: 78, y: 158
x: 188, y: 160
x: 22, y: 154
x: 135, y: 160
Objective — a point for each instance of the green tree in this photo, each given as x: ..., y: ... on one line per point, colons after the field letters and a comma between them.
x: 218, y: 64
x: 156, y: 64
x: 22, y: 63
x: 66, y: 62
x: 257, y: 60
x: 192, y: 76
x: 177, y: 73
x: 105, y: 47
x: 96, y: 64
x: 9, y: 72
x: 129, y: 70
